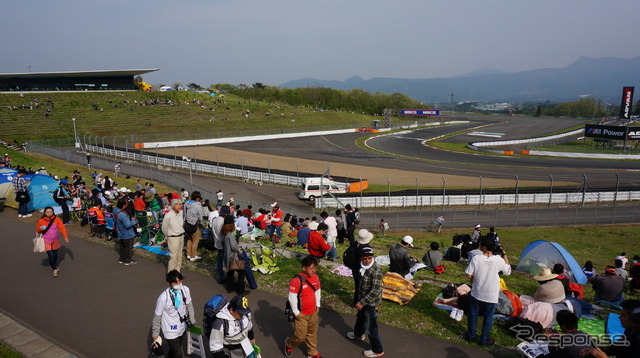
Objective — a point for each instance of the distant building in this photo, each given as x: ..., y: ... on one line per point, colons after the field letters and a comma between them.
x: 114, y: 80
x: 494, y: 107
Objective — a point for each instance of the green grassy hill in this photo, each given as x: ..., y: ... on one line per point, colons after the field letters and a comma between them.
x: 154, y: 116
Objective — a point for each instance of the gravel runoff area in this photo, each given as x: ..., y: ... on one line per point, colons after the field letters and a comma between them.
x: 379, y: 176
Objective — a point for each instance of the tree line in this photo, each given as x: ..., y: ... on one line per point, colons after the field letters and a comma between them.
x: 355, y: 100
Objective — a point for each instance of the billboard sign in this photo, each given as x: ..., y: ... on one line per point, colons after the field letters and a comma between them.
x: 611, y: 132
x: 419, y: 112
x: 627, y: 100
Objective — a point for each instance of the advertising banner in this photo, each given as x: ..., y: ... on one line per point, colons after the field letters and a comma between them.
x: 420, y: 112
x: 627, y: 100
x: 611, y: 132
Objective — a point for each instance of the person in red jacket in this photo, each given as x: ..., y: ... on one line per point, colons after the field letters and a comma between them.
x: 51, y: 227
x: 316, y: 244
x: 276, y: 220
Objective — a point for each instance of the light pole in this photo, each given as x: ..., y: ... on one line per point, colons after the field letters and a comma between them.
x: 75, y: 134
x: 188, y: 160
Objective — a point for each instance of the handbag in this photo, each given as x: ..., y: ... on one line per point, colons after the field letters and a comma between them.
x: 236, y: 265
x: 22, y: 197
x: 38, y: 244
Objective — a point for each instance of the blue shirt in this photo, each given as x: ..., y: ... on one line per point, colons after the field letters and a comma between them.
x: 124, y: 225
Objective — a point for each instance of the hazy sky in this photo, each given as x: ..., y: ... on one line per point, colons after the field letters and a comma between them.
x: 275, y: 41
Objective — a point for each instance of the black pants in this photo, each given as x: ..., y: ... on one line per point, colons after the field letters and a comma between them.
x: 65, y: 211
x: 350, y: 231
x: 236, y: 285
x: 342, y: 233
x: 126, y: 250
x: 176, y: 347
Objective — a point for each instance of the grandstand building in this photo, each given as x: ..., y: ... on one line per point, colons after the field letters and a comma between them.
x: 113, y: 80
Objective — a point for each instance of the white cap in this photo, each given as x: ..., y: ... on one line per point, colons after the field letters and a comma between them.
x: 408, y: 239
x: 478, y: 226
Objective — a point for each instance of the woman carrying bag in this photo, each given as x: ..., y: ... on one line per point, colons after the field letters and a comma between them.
x: 233, y: 263
x: 50, y: 226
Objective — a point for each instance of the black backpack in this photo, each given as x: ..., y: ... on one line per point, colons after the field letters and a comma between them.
x: 453, y: 254
x: 287, y: 307
x: 350, y: 256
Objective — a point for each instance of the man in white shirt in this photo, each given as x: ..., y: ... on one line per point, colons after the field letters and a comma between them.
x: 484, y: 271
x: 332, y: 234
x: 173, y: 230
x: 174, y: 309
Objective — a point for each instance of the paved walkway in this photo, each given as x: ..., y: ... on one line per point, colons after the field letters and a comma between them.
x: 98, y: 308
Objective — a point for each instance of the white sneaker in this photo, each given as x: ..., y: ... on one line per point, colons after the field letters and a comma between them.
x: 192, y: 259
x: 197, y: 257
x: 19, y: 215
x: 352, y: 335
x: 372, y: 354
x: 26, y: 216
x: 459, y: 315
x: 454, y: 313
x: 188, y: 257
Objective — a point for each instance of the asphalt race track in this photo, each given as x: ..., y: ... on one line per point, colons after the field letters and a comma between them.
x: 409, y: 153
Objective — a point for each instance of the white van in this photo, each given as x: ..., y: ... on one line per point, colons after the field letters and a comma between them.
x: 310, y: 188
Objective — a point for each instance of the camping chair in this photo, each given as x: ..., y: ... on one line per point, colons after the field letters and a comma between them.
x: 110, y: 226
x: 94, y: 227
x: 77, y: 211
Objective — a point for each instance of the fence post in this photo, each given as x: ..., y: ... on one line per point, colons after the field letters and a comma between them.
x: 389, y: 193
x: 480, y: 199
x: 615, y: 197
x: 444, y: 190
x: 417, y: 193
x: 584, y: 188
x: 517, y: 187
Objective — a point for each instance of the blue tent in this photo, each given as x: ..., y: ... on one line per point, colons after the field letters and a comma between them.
x: 41, y: 188
x: 542, y: 253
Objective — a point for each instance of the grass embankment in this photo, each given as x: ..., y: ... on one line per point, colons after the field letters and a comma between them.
x: 598, y: 244
x: 177, y: 115
x: 6, y: 352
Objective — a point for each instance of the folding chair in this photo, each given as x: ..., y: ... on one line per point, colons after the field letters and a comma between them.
x: 95, y: 227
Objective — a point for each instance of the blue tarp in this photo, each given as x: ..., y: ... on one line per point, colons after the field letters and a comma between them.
x: 41, y: 188
x: 543, y: 253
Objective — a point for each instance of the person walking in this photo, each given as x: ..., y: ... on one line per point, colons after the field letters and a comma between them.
x: 232, y: 331
x: 304, y: 298
x: 193, y: 215
x: 351, y: 220
x: 174, y: 309
x: 440, y: 222
x: 126, y: 233
x: 22, y: 194
x: 484, y: 270
x: 51, y: 227
x: 370, y: 298
x: 173, y: 230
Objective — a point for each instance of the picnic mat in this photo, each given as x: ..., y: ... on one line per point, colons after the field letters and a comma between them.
x: 591, y: 325
x: 155, y: 249
x: 397, y: 289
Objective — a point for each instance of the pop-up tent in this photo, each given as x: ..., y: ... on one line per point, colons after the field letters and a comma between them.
x: 40, y: 187
x: 6, y: 177
x: 542, y: 253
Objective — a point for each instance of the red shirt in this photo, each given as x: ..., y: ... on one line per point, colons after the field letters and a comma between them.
x: 307, y: 295
x: 316, y: 245
x: 139, y: 205
x: 276, y: 215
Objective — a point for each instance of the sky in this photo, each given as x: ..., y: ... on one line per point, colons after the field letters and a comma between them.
x: 276, y: 41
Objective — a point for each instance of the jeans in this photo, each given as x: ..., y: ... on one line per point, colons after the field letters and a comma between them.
x: 332, y: 253
x: 220, y: 267
x: 23, y: 208
x: 53, y: 258
x: 176, y: 347
x: 366, y: 323
x: 126, y: 250
x: 487, y: 324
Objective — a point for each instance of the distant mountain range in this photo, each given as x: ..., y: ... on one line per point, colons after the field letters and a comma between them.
x: 601, y: 78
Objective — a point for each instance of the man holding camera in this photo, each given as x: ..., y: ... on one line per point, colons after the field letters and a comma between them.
x: 173, y: 313
x: 304, y: 298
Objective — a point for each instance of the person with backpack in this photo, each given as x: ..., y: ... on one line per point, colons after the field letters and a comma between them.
x: 352, y: 220
x: 304, y: 298
x: 351, y: 258
x: 172, y: 315
x: 232, y: 330
x: 61, y: 197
